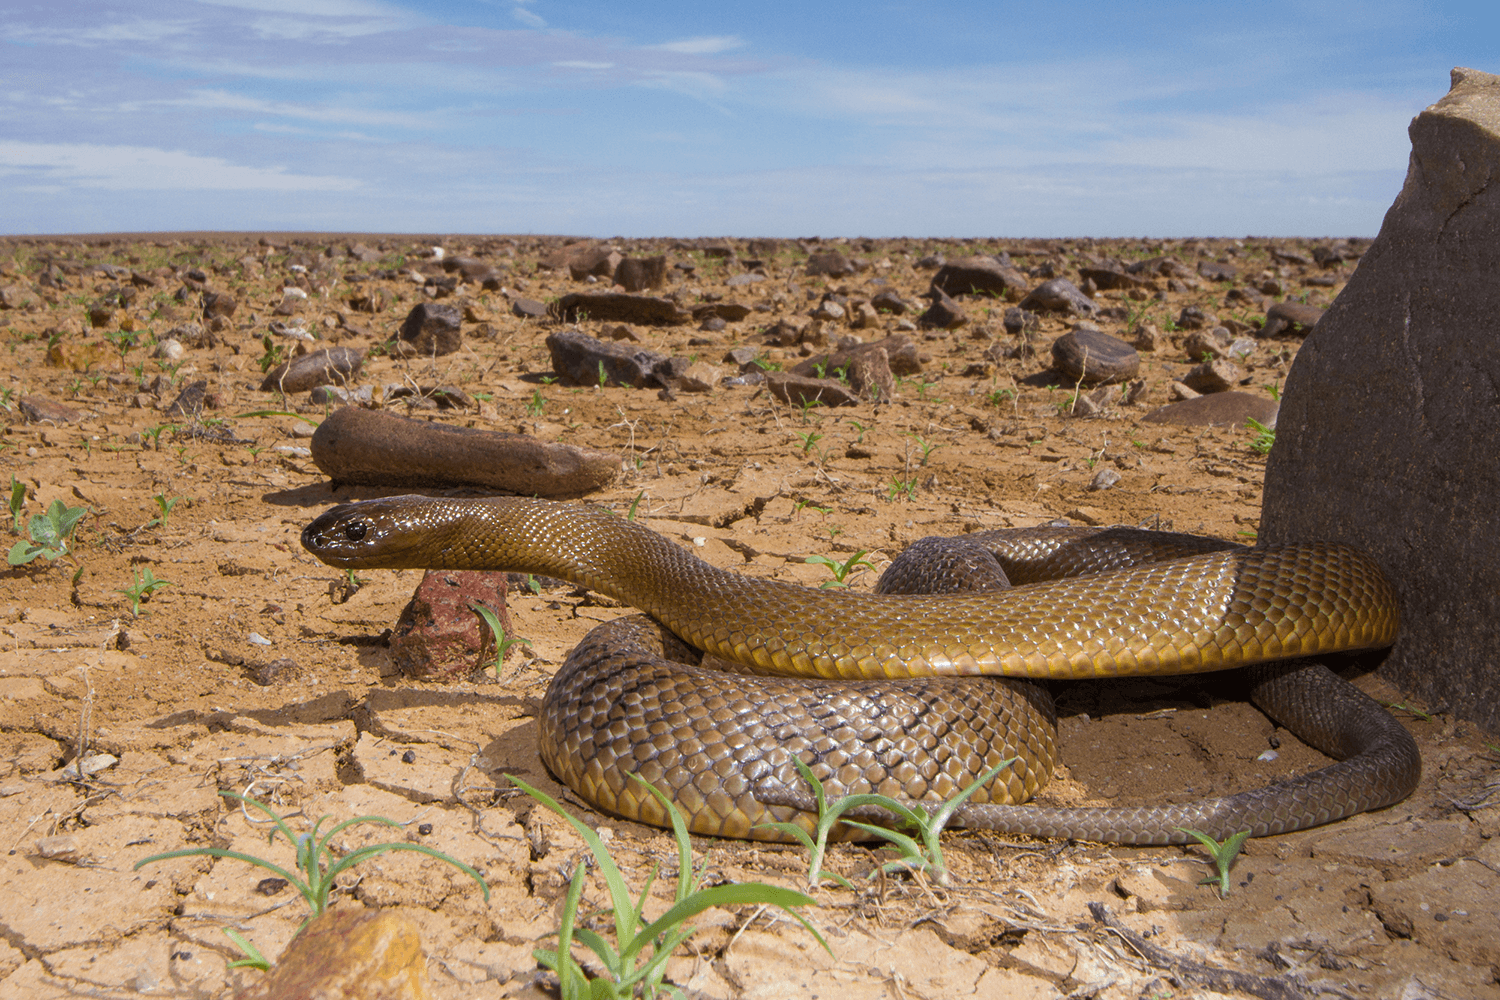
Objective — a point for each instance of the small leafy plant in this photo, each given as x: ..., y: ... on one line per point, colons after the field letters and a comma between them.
x: 316, y: 865
x: 17, y: 504
x: 928, y: 824
x: 144, y: 586
x: 1265, y: 437
x: 164, y: 505
x: 636, y: 962
x: 503, y: 643
x: 840, y: 570
x: 1223, y: 855
x: 49, y: 536
x: 900, y: 486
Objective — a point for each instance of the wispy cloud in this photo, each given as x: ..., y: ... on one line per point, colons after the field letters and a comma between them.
x: 144, y: 168
x: 220, y: 100
x: 705, y: 46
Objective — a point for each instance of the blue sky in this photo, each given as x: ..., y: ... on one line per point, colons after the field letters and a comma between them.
x: 750, y: 119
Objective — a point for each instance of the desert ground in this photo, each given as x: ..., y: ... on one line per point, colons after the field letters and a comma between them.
x: 251, y: 667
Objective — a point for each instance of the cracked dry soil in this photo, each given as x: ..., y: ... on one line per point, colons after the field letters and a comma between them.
x: 1400, y: 903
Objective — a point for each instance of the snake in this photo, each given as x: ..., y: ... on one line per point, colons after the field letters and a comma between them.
x: 917, y: 689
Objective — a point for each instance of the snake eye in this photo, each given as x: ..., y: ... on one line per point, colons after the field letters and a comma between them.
x: 356, y: 531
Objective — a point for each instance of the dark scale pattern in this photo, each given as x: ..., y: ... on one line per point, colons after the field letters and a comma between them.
x: 1090, y: 603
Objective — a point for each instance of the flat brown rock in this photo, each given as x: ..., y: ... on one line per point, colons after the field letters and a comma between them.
x: 1219, y: 409
x: 371, y: 448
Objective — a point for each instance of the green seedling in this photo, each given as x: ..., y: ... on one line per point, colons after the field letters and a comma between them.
x: 840, y: 570
x: 503, y: 642
x: 927, y: 449
x: 253, y: 958
x: 275, y: 353
x: 926, y: 856
x: 809, y: 439
x: 900, y: 486
x: 635, y: 963
x: 17, y: 504
x: 999, y: 397
x: 144, y: 586
x: 858, y: 427
x: 603, y: 378
x: 49, y: 536
x: 538, y: 403
x: 800, y: 505
x: 634, y: 506
x: 1223, y: 855
x: 317, y: 866
x: 1401, y: 706
x: 164, y: 505
x: 1265, y: 437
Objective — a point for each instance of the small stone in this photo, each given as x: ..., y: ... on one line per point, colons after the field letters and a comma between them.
x: 622, y: 307
x: 221, y: 304
x: 1194, y: 318
x: 169, y: 350
x: 432, y: 329
x: 334, y: 365
x: 1147, y: 337
x: 1290, y: 318
x: 1094, y: 357
x: 439, y: 636
x: 637, y: 274
x: 40, y: 409
x: 62, y: 847
x: 621, y: 331
x: 943, y: 314
x: 1059, y: 295
x: 700, y: 376
x: 584, y: 360
x: 1180, y: 391
x: 1204, y: 345
x: 349, y: 952
x: 831, y: 263
x: 802, y: 390
x: 980, y: 275
x: 1214, y: 271
x: 1104, y: 479
x: 1219, y: 375
x: 529, y: 309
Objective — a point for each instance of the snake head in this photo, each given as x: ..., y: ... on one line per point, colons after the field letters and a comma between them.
x: 372, y: 534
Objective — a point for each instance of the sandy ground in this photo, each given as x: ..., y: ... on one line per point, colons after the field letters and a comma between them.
x: 1399, y: 903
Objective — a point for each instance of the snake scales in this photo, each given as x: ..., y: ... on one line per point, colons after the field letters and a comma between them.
x: 911, y: 694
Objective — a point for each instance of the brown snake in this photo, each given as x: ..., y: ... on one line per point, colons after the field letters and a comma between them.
x: 875, y: 700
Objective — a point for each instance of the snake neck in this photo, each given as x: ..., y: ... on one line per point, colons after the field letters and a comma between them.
x: 587, y: 546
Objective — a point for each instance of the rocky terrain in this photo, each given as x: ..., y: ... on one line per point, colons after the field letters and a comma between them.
x: 166, y: 390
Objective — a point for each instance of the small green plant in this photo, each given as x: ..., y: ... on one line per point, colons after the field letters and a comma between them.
x: 145, y: 584
x: 809, y: 439
x: 153, y: 434
x: 798, y: 506
x: 1265, y: 437
x: 900, y: 486
x: 634, y: 506
x: 1275, y: 391
x: 1223, y: 855
x: 928, y: 823
x: 49, y: 536
x: 999, y: 397
x: 275, y: 353
x: 840, y: 570
x: 548, y: 379
x: 533, y: 584
x: 922, y: 389
x: 1401, y: 706
x: 502, y: 641
x: 927, y: 449
x: 253, y: 958
x: 123, y: 341
x: 164, y: 505
x: 603, y: 378
x: 636, y: 962
x: 538, y: 403
x: 316, y: 867
x: 861, y: 428
x: 17, y: 504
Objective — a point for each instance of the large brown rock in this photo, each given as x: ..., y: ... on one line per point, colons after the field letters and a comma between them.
x: 1391, y: 414
x: 370, y: 448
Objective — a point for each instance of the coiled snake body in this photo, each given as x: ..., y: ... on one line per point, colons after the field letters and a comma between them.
x: 909, y: 694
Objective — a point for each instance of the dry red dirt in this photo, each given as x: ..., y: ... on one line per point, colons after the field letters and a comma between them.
x: 1400, y: 903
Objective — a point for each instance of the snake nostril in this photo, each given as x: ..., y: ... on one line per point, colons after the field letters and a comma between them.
x: 356, y: 531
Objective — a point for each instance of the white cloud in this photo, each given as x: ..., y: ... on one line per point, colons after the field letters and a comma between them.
x: 143, y: 168
x: 132, y: 32
x: 225, y: 101
x: 583, y: 64
x: 703, y: 46
x: 528, y: 18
